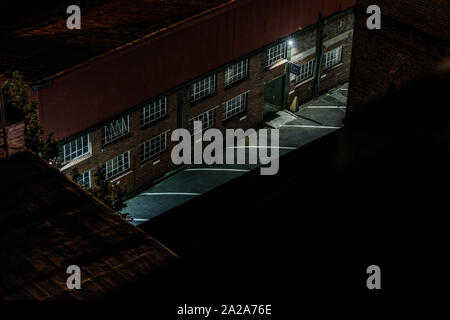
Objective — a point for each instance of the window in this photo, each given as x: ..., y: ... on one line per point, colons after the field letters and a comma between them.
x: 306, y: 71
x: 116, y: 165
x: 276, y: 53
x: 234, y: 106
x: 153, y: 111
x: 115, y: 129
x: 207, y: 120
x: 333, y: 57
x: 153, y: 146
x: 203, y: 88
x: 236, y: 72
x: 85, y: 180
x: 75, y: 148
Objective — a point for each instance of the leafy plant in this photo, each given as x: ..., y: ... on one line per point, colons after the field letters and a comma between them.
x: 111, y: 195
x: 18, y: 107
x: 15, y: 97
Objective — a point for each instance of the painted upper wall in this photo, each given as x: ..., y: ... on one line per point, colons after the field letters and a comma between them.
x: 108, y: 86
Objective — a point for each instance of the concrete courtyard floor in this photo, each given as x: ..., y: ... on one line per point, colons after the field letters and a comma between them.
x: 313, y: 120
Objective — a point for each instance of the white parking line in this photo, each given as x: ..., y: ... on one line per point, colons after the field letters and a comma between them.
x: 326, y: 107
x: 262, y: 147
x: 216, y: 169
x: 134, y: 219
x: 171, y: 194
x: 305, y: 126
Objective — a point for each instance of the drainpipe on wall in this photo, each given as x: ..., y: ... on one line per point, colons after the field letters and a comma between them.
x: 287, y: 78
x: 319, y: 54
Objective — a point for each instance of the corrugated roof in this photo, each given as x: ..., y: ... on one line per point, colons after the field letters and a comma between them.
x: 48, y: 223
x: 35, y: 40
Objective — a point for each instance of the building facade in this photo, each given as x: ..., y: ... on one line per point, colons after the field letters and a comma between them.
x: 134, y: 148
x: 115, y: 90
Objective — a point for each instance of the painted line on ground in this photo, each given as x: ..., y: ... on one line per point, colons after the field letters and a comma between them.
x: 306, y: 126
x: 326, y: 107
x: 134, y: 219
x: 170, y: 194
x: 214, y: 169
x: 261, y: 147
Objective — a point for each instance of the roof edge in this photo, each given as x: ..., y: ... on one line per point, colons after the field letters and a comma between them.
x: 132, y: 43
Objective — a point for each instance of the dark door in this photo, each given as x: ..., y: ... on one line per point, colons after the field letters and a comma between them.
x: 273, y: 93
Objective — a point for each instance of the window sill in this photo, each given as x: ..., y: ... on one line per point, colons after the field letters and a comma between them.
x: 124, y: 137
x: 198, y: 101
x: 276, y: 64
x: 325, y: 71
x: 236, y: 116
x: 299, y: 84
x: 120, y: 176
x: 153, y: 159
x: 234, y: 84
x: 154, y: 122
x: 76, y: 161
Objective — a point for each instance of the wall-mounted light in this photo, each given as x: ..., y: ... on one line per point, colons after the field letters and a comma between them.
x: 290, y: 43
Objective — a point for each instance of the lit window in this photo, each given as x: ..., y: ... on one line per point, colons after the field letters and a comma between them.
x: 306, y: 71
x: 115, y: 129
x: 236, y: 72
x: 85, y: 180
x: 207, y: 120
x: 333, y: 57
x: 153, y: 111
x: 153, y: 146
x: 75, y: 148
x: 116, y: 165
x: 276, y: 53
x: 203, y: 88
x: 234, y: 106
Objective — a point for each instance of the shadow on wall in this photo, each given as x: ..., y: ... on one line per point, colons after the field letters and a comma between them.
x: 371, y: 193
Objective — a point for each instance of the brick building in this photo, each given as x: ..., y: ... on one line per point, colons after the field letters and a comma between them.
x: 411, y: 43
x: 135, y: 77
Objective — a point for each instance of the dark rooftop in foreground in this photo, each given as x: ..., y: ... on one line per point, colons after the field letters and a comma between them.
x: 48, y: 223
x: 35, y: 40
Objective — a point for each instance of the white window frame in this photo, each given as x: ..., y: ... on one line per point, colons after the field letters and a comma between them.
x: 154, y: 146
x: 235, y: 105
x: 82, y: 180
x: 276, y: 53
x: 333, y: 57
x: 153, y: 111
x: 82, y: 142
x: 306, y: 72
x: 203, y: 87
x: 117, y: 165
x: 210, y: 117
x: 236, y: 72
x: 115, y: 129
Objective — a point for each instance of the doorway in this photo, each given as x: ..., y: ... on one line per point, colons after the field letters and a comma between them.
x: 273, y: 95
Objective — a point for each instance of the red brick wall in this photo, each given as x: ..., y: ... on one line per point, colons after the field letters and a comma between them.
x: 333, y: 76
x: 141, y: 174
x: 412, y: 41
x: 119, y: 81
